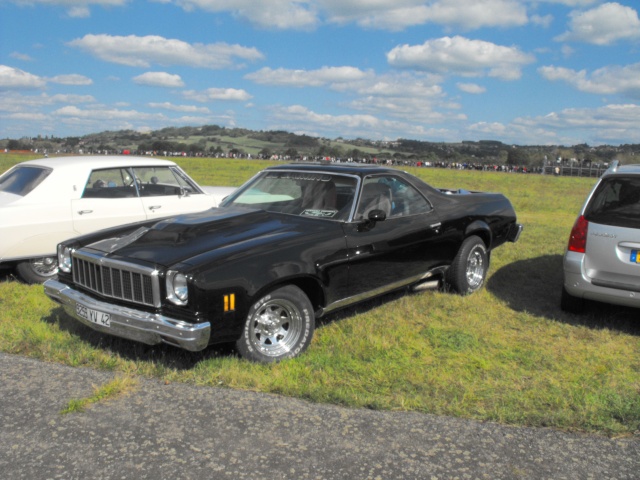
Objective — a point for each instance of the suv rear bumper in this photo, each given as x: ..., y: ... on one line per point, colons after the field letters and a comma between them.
x: 578, y: 284
x: 129, y: 323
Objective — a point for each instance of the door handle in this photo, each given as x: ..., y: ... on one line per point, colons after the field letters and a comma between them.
x: 436, y: 226
x: 84, y: 212
x: 155, y: 207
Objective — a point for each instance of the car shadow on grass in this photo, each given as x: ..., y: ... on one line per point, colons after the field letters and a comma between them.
x: 167, y: 355
x: 176, y: 358
x: 535, y: 285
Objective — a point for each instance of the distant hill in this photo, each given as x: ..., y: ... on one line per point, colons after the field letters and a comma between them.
x: 216, y: 141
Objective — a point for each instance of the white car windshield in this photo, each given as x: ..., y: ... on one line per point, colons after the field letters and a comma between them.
x: 22, y: 180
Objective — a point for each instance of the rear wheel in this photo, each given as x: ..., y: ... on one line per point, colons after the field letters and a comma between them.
x: 468, y: 271
x: 571, y: 304
x: 37, y: 270
x: 278, y: 326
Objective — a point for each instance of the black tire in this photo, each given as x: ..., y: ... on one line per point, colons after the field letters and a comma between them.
x: 468, y: 271
x: 37, y: 270
x: 278, y: 326
x: 571, y: 304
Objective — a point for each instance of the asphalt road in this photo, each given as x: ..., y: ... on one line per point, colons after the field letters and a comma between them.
x: 179, y: 431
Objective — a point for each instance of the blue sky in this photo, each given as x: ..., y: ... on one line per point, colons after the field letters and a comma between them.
x: 525, y: 72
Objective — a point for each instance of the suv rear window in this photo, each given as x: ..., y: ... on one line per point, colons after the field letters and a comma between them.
x: 616, y: 202
x: 22, y: 180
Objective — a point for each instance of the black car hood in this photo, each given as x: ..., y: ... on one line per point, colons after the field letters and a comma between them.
x: 177, y: 239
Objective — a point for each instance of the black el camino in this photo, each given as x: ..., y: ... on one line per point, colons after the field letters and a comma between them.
x: 291, y: 245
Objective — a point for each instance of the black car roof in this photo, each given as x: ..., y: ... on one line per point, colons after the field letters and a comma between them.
x: 345, y: 168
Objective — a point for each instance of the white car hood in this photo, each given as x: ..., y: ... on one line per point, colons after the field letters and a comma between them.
x: 8, y: 198
x: 218, y: 193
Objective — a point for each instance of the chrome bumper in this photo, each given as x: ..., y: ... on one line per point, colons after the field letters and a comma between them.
x: 514, y: 232
x: 141, y: 326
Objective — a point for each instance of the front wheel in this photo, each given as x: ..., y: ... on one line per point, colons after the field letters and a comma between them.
x: 468, y: 271
x: 37, y: 270
x: 278, y: 326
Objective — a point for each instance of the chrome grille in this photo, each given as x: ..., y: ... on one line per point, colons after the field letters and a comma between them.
x: 115, y: 279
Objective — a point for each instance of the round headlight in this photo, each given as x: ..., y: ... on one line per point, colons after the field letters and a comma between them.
x: 177, y: 288
x: 180, y: 288
x: 64, y: 258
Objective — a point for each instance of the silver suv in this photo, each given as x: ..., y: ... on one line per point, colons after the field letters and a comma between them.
x: 602, y: 261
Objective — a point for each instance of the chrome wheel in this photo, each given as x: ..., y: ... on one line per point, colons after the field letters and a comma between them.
x: 279, y: 325
x: 476, y: 267
x: 468, y: 270
x: 37, y: 270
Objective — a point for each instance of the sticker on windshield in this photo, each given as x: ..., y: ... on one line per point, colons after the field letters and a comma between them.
x: 319, y: 213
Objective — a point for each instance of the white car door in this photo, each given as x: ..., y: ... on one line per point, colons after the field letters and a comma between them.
x: 164, y: 192
x: 110, y: 198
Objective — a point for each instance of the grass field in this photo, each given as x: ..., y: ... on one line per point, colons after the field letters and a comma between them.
x: 506, y: 354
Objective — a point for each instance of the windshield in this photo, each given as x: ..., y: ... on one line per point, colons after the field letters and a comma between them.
x: 22, y: 180
x: 307, y: 194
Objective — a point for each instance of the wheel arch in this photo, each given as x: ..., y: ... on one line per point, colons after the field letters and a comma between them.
x: 309, y: 285
x: 480, y: 229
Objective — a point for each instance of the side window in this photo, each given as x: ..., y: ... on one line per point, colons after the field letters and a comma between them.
x: 392, y: 195
x: 157, y: 182
x: 110, y: 183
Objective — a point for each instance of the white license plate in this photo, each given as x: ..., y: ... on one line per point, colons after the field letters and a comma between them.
x: 94, y: 316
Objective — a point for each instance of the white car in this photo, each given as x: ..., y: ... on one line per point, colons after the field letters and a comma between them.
x: 43, y: 202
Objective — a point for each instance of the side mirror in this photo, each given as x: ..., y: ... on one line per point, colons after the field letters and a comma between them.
x: 377, y: 216
x: 373, y: 217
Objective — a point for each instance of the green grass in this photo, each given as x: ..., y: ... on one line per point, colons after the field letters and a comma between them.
x: 115, y: 388
x: 506, y: 354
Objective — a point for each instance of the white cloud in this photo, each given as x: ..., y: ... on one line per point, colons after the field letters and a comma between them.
x: 607, y: 124
x: 144, y: 51
x: 72, y: 79
x: 603, y: 25
x: 21, y: 56
x: 402, y: 95
x: 274, y: 14
x: 75, y: 8
x: 213, y: 94
x: 14, y: 78
x: 180, y: 108
x: 572, y: 3
x: 461, y: 56
x: 15, y: 102
x: 32, y: 117
x: 472, y: 88
x: 542, y: 21
x: 378, y: 14
x: 400, y: 14
x: 306, y: 78
x: 300, y: 119
x: 159, y: 79
x: 105, y: 114
x: 604, y: 81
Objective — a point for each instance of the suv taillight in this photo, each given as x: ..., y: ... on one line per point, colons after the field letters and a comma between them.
x: 578, y: 237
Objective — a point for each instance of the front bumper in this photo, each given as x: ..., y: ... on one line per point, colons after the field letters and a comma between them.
x: 129, y: 323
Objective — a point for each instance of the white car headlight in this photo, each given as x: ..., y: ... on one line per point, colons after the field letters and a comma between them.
x: 177, y: 288
x: 64, y: 258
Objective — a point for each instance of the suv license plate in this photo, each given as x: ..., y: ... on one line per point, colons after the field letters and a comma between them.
x: 94, y: 316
